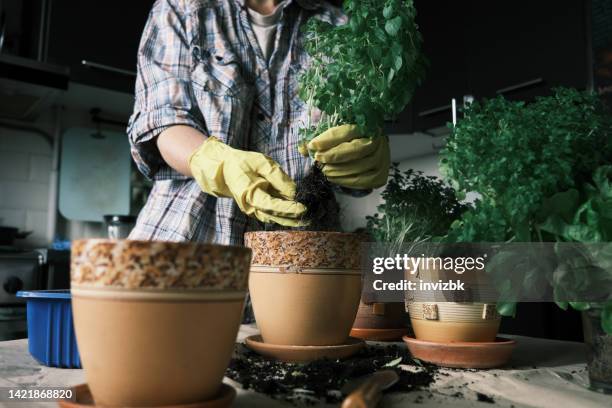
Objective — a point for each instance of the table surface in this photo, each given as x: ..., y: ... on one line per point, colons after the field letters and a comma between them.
x: 544, y: 373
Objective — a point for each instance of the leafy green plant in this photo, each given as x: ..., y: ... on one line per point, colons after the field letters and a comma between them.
x: 542, y: 172
x: 516, y: 154
x: 365, y: 71
x: 582, y: 215
x: 416, y: 209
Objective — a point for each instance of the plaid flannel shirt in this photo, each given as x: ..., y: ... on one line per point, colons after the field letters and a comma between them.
x: 199, y: 64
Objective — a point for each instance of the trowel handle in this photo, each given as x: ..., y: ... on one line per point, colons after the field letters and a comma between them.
x: 367, y: 395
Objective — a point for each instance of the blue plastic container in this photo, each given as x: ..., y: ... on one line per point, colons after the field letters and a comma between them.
x: 51, y: 338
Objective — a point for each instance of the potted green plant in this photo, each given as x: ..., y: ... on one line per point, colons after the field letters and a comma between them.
x: 305, y: 285
x: 581, y: 219
x: 416, y: 209
x: 361, y: 73
x: 542, y: 174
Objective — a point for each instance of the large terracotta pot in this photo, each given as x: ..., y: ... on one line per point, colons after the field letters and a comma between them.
x: 156, y: 322
x: 305, y: 286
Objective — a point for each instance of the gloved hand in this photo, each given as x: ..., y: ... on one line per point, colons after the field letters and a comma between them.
x: 349, y: 159
x: 258, y: 184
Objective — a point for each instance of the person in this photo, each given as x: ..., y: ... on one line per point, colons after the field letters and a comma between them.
x: 216, y: 120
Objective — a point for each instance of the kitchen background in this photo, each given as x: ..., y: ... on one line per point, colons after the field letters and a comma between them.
x: 67, y: 72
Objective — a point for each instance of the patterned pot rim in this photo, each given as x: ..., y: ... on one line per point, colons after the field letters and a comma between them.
x: 453, y: 311
x: 304, y: 250
x: 132, y: 264
x: 150, y: 242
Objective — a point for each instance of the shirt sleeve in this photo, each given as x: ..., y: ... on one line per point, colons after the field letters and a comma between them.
x: 163, y: 95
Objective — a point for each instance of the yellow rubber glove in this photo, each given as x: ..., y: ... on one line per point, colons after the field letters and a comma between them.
x: 258, y: 184
x: 349, y: 159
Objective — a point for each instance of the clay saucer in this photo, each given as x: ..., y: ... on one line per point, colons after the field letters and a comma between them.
x: 83, y: 399
x: 303, y: 354
x: 462, y: 355
x: 380, y: 334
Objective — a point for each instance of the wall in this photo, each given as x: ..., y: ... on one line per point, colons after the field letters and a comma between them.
x: 25, y: 165
x: 26, y: 161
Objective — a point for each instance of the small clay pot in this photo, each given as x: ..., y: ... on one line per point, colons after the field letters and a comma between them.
x: 305, y: 286
x: 156, y: 322
x: 447, y: 322
x: 451, y: 321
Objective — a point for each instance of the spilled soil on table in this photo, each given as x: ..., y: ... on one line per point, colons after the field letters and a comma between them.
x: 323, y: 380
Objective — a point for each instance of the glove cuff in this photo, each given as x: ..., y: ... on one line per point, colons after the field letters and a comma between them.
x: 202, y: 150
x: 206, y: 167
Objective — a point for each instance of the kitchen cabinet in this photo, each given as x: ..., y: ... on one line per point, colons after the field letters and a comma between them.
x: 445, y: 46
x: 482, y: 48
x: 446, y: 75
x: 523, y: 48
x: 104, y: 33
x: 20, y: 28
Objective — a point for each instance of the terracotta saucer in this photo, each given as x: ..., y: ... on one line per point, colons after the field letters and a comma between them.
x: 380, y: 334
x: 302, y: 354
x: 83, y: 399
x: 462, y: 355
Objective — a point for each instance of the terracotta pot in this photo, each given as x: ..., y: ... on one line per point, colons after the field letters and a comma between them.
x: 381, y: 316
x: 305, y: 286
x: 156, y: 322
x: 462, y: 355
x: 446, y: 322
x: 452, y: 321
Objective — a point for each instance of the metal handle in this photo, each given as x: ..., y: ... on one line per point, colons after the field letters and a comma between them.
x: 434, y: 111
x: 522, y: 85
x: 369, y: 393
x: 108, y: 68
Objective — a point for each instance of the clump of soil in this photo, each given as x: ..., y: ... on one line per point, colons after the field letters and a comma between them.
x: 485, y: 398
x: 322, y: 380
x: 317, y: 194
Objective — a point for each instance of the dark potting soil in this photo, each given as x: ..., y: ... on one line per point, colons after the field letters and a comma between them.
x: 317, y: 194
x: 484, y: 398
x: 323, y: 380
